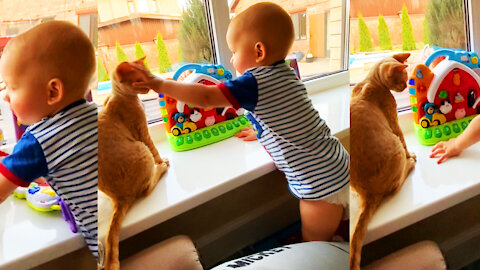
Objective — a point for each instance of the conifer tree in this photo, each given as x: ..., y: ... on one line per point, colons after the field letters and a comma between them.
x: 102, y: 73
x: 163, y: 59
x: 139, y: 53
x: 121, y: 55
x: 383, y: 34
x: 364, y: 35
x: 408, y: 41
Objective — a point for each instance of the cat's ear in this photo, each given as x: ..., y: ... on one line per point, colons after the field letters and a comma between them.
x: 401, y: 57
x: 122, y: 70
x: 140, y: 61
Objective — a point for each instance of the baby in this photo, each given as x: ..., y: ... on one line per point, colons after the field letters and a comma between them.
x: 315, y: 163
x: 455, y: 146
x: 47, y: 71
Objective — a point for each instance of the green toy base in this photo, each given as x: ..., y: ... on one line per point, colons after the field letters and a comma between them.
x: 444, y: 132
x: 207, y: 135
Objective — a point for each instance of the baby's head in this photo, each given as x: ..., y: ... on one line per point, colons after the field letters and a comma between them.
x: 260, y: 35
x: 45, y: 69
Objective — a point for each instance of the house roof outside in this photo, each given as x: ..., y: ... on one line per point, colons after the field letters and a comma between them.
x: 136, y: 16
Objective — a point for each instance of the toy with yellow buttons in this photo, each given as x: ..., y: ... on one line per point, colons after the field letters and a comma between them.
x: 444, y: 94
x: 40, y: 197
x: 43, y: 198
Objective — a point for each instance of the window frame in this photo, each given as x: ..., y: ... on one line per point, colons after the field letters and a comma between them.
x: 220, y: 18
x: 297, y: 15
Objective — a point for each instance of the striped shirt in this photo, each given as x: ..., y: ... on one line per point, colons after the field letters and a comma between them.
x: 290, y: 129
x: 63, y: 149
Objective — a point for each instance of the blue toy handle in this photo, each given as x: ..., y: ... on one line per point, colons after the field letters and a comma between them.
x: 436, y: 54
x: 216, y: 71
x: 185, y: 68
x: 468, y: 58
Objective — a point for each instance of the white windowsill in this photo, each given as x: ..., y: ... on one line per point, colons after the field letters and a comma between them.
x: 429, y: 189
x: 30, y: 238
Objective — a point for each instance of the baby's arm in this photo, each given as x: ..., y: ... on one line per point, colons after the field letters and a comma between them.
x: 6, y: 188
x: 195, y: 94
x: 455, y: 146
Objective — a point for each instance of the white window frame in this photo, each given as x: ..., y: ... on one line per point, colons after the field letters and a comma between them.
x: 220, y: 19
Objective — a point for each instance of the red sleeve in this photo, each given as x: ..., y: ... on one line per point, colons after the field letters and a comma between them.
x: 12, y: 177
x: 226, y: 92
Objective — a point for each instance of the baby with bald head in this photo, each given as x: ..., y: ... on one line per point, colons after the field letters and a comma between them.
x: 53, y: 63
x: 315, y: 164
x: 47, y: 70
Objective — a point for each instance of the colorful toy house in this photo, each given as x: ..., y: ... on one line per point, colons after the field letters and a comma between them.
x: 444, y: 97
x: 189, y: 127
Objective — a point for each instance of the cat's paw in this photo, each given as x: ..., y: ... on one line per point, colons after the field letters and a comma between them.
x: 412, y: 156
x: 164, y: 161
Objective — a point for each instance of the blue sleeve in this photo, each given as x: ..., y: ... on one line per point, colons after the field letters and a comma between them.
x: 26, y: 163
x: 242, y: 91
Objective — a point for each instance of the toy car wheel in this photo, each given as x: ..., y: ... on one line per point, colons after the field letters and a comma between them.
x: 176, y: 131
x: 436, y: 122
x: 424, y: 123
x: 187, y: 130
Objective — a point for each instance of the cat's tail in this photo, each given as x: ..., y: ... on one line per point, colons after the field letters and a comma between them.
x: 111, y: 247
x: 370, y: 206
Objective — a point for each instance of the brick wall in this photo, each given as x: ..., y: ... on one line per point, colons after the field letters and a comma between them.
x: 35, y: 9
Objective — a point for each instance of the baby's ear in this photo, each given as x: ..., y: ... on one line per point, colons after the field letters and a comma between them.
x: 122, y: 70
x: 401, y: 57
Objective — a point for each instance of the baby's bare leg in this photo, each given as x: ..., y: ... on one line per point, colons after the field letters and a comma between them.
x: 320, y: 220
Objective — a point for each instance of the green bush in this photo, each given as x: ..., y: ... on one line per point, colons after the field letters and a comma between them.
x: 102, y: 73
x: 180, y: 53
x: 445, y: 24
x: 426, y: 33
x: 383, y: 34
x: 193, y: 36
x: 163, y: 59
x: 139, y: 53
x: 121, y: 55
x: 364, y: 35
x: 408, y: 41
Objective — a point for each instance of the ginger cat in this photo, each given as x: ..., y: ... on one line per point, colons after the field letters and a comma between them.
x: 380, y: 161
x: 126, y: 153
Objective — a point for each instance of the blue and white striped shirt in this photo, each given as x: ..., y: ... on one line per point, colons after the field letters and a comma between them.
x: 298, y: 140
x: 63, y: 149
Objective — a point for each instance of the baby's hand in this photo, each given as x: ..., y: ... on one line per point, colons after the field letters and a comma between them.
x: 148, y: 80
x: 247, y: 134
x: 153, y: 83
x: 445, y: 150
x: 40, y: 180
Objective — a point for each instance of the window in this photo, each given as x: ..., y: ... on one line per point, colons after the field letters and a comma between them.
x: 319, y: 47
x: 377, y: 26
x: 131, y: 6
x: 300, y: 25
x: 169, y: 37
x: 89, y: 24
x: 143, y: 6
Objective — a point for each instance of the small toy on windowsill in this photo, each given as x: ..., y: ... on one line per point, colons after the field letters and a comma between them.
x: 444, y: 95
x: 190, y: 127
x: 42, y: 198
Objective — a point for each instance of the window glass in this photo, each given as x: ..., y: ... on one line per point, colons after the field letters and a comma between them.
x: 319, y: 31
x: 376, y: 29
x: 17, y: 17
x: 169, y: 36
